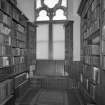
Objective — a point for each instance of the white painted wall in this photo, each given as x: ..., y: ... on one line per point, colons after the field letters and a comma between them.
x: 27, y: 6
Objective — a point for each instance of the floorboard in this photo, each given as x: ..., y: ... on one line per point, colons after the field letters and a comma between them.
x: 50, y: 97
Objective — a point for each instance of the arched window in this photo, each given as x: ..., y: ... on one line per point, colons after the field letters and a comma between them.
x: 55, y: 9
x: 50, y: 33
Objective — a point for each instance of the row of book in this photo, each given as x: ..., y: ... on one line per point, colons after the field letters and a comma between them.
x: 20, y: 36
x: 7, y: 7
x: 18, y: 60
x: 5, y: 50
x: 10, y: 7
x: 92, y: 29
x: 92, y: 50
x: 96, y: 40
x: 93, y: 14
x: 90, y: 88
x: 95, y: 3
x: 18, y: 44
x: 6, y: 89
x: 92, y: 60
x: 92, y: 73
x: 18, y: 52
x: 19, y: 68
x: 5, y: 40
x: 20, y: 28
x: 20, y: 79
x: 90, y: 24
x: 4, y: 30
x: 32, y: 51
x: 5, y: 19
x: 4, y: 62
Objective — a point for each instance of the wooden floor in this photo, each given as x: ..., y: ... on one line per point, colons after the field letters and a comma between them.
x: 49, y: 97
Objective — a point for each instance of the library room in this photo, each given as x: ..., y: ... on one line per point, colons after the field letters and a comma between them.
x: 52, y: 52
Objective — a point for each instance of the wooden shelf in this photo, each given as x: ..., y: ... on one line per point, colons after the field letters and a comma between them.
x: 91, y: 42
x: 6, y: 100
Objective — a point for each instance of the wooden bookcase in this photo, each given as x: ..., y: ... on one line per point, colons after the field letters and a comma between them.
x: 31, y: 47
x: 13, y: 51
x: 68, y: 46
x: 92, y: 76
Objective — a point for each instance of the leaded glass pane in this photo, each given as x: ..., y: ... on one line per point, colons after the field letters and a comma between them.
x: 59, y: 15
x: 42, y: 16
x: 42, y: 32
x: 42, y: 50
x: 58, y: 32
x: 64, y: 3
x: 38, y: 3
x: 51, y: 3
x: 59, y: 50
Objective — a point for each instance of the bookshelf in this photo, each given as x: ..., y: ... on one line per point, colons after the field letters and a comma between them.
x: 68, y: 46
x: 31, y: 46
x: 13, y: 50
x: 92, y: 49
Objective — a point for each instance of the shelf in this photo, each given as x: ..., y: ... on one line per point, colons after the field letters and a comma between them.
x: 93, y: 82
x: 6, y: 100
x: 21, y: 84
x: 93, y: 35
x: 3, y: 77
x: 92, y: 65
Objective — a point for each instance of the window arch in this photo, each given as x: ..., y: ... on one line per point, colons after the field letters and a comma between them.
x: 53, y: 10
x: 59, y: 15
x: 42, y: 15
x: 50, y: 3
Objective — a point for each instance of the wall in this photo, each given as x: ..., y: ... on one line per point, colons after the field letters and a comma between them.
x: 72, y: 11
x: 50, y: 68
x: 27, y: 6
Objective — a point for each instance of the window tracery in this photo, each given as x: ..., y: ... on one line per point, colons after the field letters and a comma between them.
x: 55, y: 10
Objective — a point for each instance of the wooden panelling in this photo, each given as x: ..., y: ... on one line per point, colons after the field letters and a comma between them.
x: 50, y: 68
